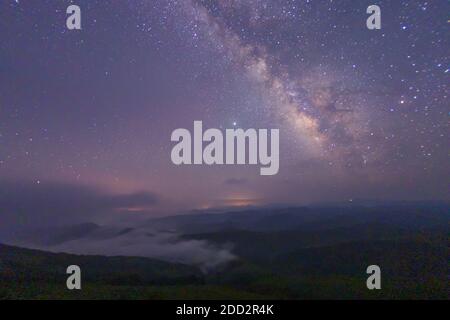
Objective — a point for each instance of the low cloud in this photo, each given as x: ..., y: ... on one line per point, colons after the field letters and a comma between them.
x: 50, y: 216
x: 145, y: 242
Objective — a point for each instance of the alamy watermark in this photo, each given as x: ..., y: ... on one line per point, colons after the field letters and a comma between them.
x: 374, y: 280
x: 74, y: 280
x: 236, y: 146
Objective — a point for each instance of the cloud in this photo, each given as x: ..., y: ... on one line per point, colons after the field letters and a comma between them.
x: 146, y: 242
x: 47, y: 216
x: 30, y: 204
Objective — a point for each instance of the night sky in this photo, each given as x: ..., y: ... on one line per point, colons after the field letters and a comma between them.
x: 362, y: 114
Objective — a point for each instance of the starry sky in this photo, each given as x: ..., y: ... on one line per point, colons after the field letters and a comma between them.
x: 362, y: 114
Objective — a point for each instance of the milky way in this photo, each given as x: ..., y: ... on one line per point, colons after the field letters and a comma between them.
x: 363, y: 114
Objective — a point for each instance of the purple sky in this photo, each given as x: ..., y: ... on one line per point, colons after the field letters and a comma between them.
x: 362, y: 114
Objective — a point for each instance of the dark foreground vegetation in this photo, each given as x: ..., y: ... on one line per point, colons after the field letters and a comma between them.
x: 311, y: 260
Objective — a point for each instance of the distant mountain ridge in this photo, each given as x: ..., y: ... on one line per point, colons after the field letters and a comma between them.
x: 19, y: 264
x: 286, y: 253
x: 406, y: 215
